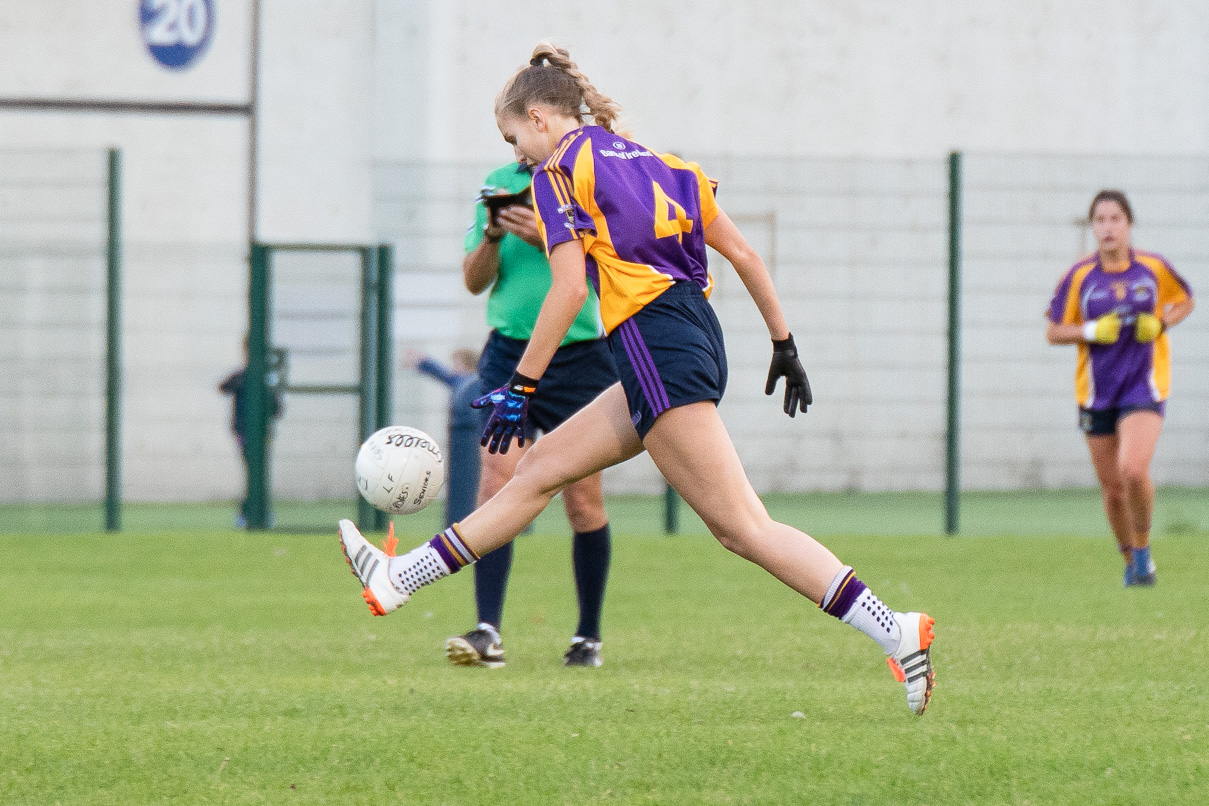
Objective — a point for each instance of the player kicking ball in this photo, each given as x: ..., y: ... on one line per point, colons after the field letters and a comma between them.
x: 637, y: 223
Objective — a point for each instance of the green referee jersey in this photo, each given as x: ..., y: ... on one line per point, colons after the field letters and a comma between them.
x: 524, y: 274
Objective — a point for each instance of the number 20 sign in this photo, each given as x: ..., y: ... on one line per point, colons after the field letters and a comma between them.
x: 176, y: 32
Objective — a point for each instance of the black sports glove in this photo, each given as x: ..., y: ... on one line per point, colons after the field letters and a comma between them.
x: 785, y: 364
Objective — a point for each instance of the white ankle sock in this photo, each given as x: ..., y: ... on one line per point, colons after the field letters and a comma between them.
x: 419, y: 567
x: 869, y: 615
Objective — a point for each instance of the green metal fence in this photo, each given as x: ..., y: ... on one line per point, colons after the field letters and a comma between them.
x: 113, y: 346
x: 917, y: 286
x: 372, y: 389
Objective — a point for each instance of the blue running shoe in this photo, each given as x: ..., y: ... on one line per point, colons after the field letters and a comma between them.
x: 1147, y: 578
x: 1141, y: 579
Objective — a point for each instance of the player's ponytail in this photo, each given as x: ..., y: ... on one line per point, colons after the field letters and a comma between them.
x: 552, y: 78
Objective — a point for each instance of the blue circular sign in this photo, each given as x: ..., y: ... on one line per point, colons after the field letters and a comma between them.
x: 176, y: 32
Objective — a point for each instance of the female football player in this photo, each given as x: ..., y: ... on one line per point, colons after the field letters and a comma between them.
x: 1117, y: 306
x: 637, y: 223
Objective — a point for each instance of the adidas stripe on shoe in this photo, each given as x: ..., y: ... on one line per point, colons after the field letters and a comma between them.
x: 912, y: 663
x: 369, y: 564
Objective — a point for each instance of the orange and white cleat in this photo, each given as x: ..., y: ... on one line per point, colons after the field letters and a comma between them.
x: 912, y: 663
x: 369, y: 564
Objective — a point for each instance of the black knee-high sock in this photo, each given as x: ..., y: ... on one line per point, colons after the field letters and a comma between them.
x: 491, y: 583
x: 590, y: 552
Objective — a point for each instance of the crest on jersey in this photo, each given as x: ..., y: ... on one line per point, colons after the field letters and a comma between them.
x: 568, y: 212
x: 1143, y: 291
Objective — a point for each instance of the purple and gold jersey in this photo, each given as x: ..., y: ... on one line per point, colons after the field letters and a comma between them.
x: 1125, y: 373
x: 641, y: 217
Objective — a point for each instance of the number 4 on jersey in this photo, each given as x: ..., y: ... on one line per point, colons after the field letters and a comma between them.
x: 670, y: 218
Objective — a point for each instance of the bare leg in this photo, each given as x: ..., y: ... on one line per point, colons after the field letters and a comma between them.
x: 1105, y: 450
x: 496, y: 469
x: 1138, y: 434
x: 694, y: 453
x: 599, y: 435
x: 584, y: 501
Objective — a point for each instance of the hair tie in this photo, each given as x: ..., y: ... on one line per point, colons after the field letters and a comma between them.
x: 536, y: 61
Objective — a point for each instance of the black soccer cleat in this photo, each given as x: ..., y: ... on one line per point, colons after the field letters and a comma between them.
x: 479, y: 647
x: 583, y: 652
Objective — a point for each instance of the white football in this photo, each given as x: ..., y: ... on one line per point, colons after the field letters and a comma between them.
x: 400, y: 470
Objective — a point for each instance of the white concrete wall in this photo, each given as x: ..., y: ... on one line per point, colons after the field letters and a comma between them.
x: 317, y: 120
x: 893, y: 78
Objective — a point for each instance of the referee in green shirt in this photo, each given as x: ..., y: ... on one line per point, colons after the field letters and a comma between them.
x: 504, y: 253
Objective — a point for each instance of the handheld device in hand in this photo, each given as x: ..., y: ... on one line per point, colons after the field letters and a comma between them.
x: 496, y: 199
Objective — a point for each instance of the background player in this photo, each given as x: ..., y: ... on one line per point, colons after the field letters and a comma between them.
x: 1117, y: 306
x: 638, y: 222
x: 504, y: 253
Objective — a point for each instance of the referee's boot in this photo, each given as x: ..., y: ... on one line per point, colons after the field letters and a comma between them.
x: 482, y: 646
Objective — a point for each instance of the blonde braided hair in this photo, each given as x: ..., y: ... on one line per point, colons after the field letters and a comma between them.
x: 551, y: 78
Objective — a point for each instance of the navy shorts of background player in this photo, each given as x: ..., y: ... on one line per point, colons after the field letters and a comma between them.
x: 578, y: 373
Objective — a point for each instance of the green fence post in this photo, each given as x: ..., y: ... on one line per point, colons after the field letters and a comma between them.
x: 256, y: 392
x: 671, y: 511
x: 113, y: 348
x: 368, y: 397
x: 953, y: 420
x: 385, y: 330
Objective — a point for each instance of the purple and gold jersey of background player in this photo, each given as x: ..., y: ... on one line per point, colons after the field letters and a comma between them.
x: 641, y: 216
x: 1125, y: 373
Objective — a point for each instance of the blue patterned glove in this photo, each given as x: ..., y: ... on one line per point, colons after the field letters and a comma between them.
x: 511, y: 404
x: 785, y: 364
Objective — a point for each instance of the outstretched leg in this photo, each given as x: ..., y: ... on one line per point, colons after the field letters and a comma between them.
x: 597, y: 436
x: 692, y: 449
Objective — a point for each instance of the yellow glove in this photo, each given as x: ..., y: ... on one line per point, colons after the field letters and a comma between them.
x: 1147, y: 328
x: 1105, y: 330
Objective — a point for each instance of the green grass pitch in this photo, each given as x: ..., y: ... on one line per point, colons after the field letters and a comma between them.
x: 219, y: 667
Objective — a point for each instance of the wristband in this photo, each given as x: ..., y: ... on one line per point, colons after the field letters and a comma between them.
x: 1089, y: 331
x: 522, y: 385
x: 785, y: 345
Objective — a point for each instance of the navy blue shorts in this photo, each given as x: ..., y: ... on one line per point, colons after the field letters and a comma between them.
x: 578, y: 373
x: 670, y: 354
x: 1103, y: 422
